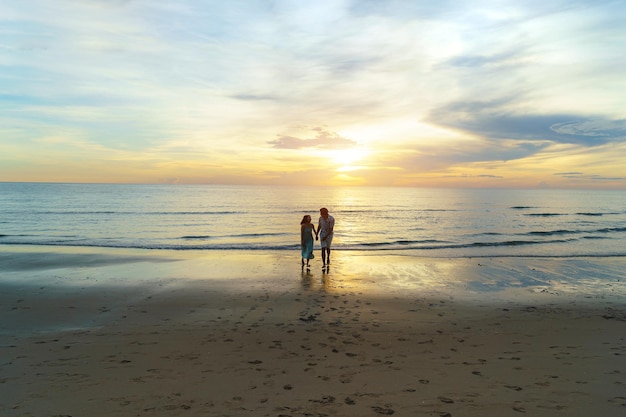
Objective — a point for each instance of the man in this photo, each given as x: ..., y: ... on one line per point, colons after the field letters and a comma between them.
x: 325, y: 229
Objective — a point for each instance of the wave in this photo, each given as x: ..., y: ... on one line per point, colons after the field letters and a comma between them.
x: 157, y: 246
x: 558, y: 232
x: 449, y: 250
x: 400, y: 242
x: 127, y: 213
x: 259, y: 234
x: 193, y: 213
x: 587, y: 214
x: 560, y: 239
x: 545, y: 214
x: 611, y: 230
x: 424, y: 244
x: 69, y: 212
x: 516, y: 243
x: 594, y: 214
x: 554, y: 233
x: 448, y: 245
x: 395, y: 210
x: 244, y: 235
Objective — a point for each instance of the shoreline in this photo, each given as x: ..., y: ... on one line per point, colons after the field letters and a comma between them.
x: 119, y: 333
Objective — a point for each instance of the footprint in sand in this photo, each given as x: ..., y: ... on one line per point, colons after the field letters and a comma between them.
x: 618, y: 401
x: 383, y: 410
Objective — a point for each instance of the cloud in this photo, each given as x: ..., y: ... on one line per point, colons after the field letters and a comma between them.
x: 601, y: 178
x: 608, y: 129
x: 583, y: 176
x: 474, y: 176
x: 436, y: 157
x: 406, y: 10
x: 254, y: 97
x: 470, y: 61
x: 323, y: 140
x: 565, y: 174
x: 493, y: 120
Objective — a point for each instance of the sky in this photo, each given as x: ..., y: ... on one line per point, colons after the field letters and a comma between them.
x: 484, y: 93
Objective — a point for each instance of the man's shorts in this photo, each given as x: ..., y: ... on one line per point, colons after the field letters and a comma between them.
x: 326, y: 243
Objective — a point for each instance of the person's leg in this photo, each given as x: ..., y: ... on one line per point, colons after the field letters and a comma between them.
x: 327, y: 243
x: 324, y: 256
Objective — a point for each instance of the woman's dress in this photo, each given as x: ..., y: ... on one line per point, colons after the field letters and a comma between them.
x: 307, y: 243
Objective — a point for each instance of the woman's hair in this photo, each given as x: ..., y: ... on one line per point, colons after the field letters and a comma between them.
x: 304, y: 219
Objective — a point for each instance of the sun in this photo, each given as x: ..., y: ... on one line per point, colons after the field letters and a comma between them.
x: 347, y: 159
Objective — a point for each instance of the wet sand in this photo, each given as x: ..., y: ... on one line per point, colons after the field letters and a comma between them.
x: 124, y: 333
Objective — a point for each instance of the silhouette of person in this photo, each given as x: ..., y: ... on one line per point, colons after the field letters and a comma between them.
x: 306, y: 239
x: 325, y: 228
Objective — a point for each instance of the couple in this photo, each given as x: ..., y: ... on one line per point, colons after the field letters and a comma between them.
x: 324, y: 231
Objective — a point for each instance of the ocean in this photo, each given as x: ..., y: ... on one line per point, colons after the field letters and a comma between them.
x: 410, y: 221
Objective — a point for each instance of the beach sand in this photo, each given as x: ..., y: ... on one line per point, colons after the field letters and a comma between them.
x: 92, y: 332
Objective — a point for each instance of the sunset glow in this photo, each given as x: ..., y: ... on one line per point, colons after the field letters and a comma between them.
x: 398, y: 93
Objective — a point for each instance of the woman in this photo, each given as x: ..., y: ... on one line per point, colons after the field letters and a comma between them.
x: 306, y: 239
